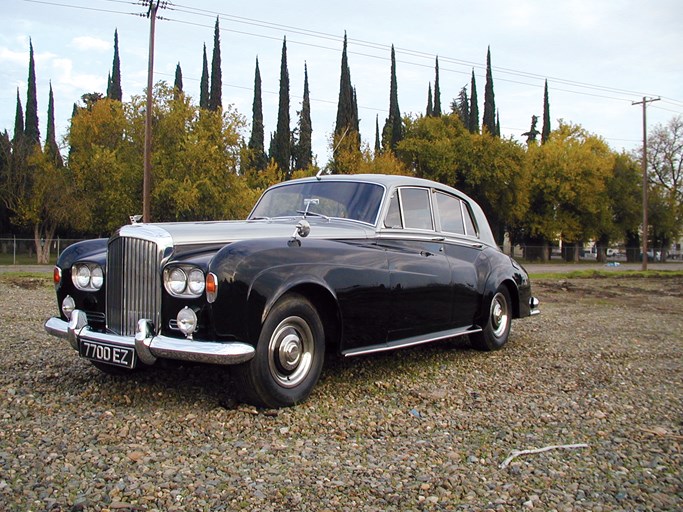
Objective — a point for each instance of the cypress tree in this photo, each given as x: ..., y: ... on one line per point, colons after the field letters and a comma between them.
x: 114, y: 91
x: 347, y: 107
x: 489, y: 120
x: 356, y: 119
x: 378, y: 147
x: 430, y: 105
x: 18, y: 122
x: 257, y: 138
x: 204, y: 82
x: 545, y: 131
x: 51, y: 147
x: 215, y: 95
x: 497, y: 134
x: 178, y: 82
x: 304, y: 150
x: 461, y: 106
x: 474, y: 107
x: 283, y: 150
x: 437, y: 92
x: 31, y: 130
x: 393, y: 127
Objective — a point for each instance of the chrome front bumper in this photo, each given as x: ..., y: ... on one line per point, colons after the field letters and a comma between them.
x: 148, y: 346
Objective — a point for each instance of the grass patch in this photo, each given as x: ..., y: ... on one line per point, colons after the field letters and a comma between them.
x: 602, y: 274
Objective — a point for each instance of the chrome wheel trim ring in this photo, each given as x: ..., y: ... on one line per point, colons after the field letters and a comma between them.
x: 290, y: 352
x: 500, y: 316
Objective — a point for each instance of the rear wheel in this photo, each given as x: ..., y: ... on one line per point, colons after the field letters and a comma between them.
x: 497, y: 329
x: 288, y: 359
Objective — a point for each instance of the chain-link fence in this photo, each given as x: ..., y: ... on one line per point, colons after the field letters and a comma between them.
x: 22, y: 251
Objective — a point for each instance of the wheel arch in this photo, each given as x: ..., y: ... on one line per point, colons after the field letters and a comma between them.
x: 492, y: 285
x: 321, y: 297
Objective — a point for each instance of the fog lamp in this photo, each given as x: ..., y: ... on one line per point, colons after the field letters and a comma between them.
x: 187, y: 321
x: 68, y: 306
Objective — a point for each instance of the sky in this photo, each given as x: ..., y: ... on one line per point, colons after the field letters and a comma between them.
x: 599, y: 57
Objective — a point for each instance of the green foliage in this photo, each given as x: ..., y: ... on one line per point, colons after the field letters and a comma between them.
x: 568, y: 185
x: 489, y: 120
x: 393, y: 126
x: 665, y: 175
x: 303, y: 150
x: 204, y: 82
x: 216, y: 92
x: 195, y: 160
x: 283, y: 149
x: 51, y: 147
x: 473, y: 125
x: 114, y: 91
x: 31, y: 129
x: 346, y: 134
x: 545, y: 131
x: 257, y: 158
x: 436, y: 111
x: 178, y: 81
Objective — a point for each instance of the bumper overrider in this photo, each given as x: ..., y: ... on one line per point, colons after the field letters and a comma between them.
x: 148, y: 346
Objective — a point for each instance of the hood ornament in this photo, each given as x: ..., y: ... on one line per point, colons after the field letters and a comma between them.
x: 135, y: 219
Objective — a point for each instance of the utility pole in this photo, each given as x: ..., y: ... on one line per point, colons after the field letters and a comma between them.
x: 645, y: 101
x: 147, y: 173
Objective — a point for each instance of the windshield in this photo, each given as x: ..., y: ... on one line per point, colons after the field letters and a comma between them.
x: 341, y: 199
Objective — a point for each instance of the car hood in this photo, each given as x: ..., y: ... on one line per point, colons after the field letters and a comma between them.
x: 191, y: 233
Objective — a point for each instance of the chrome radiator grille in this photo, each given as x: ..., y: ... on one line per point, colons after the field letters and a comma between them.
x: 133, y: 284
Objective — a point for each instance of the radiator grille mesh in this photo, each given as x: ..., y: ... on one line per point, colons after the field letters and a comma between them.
x: 133, y: 284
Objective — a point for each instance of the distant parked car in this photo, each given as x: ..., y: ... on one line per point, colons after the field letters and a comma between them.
x: 357, y: 264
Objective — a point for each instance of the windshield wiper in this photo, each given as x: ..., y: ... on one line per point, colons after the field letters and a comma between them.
x: 306, y: 213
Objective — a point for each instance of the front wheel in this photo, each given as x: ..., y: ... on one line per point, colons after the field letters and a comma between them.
x: 497, y: 329
x: 289, y: 356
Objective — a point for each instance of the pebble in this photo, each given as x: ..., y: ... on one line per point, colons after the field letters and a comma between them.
x: 419, y: 429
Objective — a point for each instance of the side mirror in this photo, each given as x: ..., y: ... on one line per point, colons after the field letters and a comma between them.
x: 303, y: 228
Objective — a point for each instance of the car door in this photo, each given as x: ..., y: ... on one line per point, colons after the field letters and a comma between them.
x: 419, y: 271
x: 463, y: 250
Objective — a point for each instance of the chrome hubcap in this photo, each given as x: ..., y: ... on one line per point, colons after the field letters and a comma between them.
x: 290, y: 352
x: 499, y: 315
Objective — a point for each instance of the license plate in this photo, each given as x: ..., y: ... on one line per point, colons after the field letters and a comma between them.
x: 109, y: 354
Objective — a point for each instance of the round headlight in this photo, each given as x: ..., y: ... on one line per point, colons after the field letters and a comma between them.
x: 187, y: 321
x: 195, y: 281
x: 96, y: 277
x: 177, y: 280
x: 81, y: 276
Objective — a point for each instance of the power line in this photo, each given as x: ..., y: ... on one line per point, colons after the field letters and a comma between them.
x: 366, y: 44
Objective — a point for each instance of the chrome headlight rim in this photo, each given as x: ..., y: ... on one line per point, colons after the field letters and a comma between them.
x: 87, y: 276
x: 184, y: 281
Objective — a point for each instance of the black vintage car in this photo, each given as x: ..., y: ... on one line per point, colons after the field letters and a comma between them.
x: 356, y: 264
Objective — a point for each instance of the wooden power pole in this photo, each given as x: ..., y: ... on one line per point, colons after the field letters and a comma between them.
x: 147, y: 174
x: 644, y: 102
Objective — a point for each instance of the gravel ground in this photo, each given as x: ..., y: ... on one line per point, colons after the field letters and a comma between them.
x: 419, y: 429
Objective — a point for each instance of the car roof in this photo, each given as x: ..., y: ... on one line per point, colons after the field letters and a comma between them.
x: 393, y: 180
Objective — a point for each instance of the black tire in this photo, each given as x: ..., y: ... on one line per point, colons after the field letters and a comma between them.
x: 498, y: 321
x: 289, y: 356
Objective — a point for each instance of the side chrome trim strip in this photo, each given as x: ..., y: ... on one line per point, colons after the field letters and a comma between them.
x: 410, y: 342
